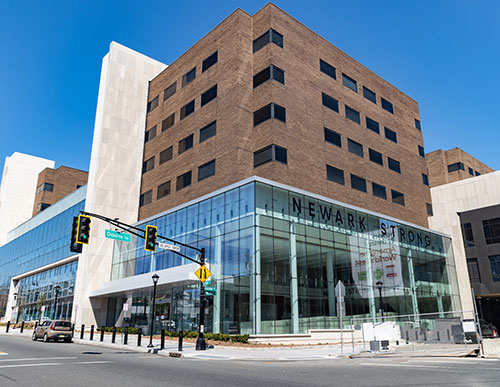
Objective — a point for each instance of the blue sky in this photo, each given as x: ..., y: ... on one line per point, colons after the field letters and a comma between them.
x: 445, y: 54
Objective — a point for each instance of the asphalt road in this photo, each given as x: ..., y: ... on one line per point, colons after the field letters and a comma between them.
x: 27, y: 363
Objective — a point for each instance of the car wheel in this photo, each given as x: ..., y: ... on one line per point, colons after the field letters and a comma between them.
x: 33, y: 336
x: 45, y: 338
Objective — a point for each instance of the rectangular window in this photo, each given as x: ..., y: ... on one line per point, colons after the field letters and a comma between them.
x: 270, y: 36
x: 468, y: 235
x: 473, y: 268
x: 43, y: 206
x: 209, y: 95
x: 491, y: 229
x: 390, y: 135
x: 471, y: 171
x: 394, y: 165
x: 206, y: 170
x: 271, y: 72
x: 150, y: 134
x: 477, y: 173
x: 379, y: 191
x: 425, y: 179
x: 349, y: 83
x: 153, y: 104
x: 166, y: 154
x: 183, y: 181
x: 168, y: 122
x: 330, y: 102
x: 187, y: 109
x: 48, y: 187
x: 327, y: 69
x: 189, y: 77
x: 146, y: 198
x: 369, y: 95
x: 398, y: 197
x: 372, y: 125
x: 185, y: 144
x: 421, y: 151
x: 386, y: 105
x: 208, y: 131
x: 269, y: 111
x: 495, y: 267
x: 417, y: 124
x: 270, y: 153
x: 170, y: 91
x: 334, y: 174
x: 148, y: 165
x: 355, y: 147
x: 429, y: 209
x: 352, y: 114
x: 358, y: 183
x: 332, y: 137
x: 163, y: 190
x: 376, y: 157
x: 209, y: 62
x: 455, y: 167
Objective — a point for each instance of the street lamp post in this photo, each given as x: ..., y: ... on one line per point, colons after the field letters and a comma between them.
x: 155, y: 278
x: 379, y: 287
x: 57, y: 288
x: 16, y: 298
x: 479, y: 300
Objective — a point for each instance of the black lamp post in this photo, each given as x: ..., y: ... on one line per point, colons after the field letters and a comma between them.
x: 479, y: 300
x: 55, y: 300
x: 379, y: 287
x: 16, y: 298
x: 155, y: 281
x: 37, y: 295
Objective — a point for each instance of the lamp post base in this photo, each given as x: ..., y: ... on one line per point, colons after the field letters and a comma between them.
x: 201, y: 345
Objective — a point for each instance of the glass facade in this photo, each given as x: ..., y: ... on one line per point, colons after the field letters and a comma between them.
x: 276, y: 256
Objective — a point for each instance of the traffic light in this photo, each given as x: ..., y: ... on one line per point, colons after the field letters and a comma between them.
x: 75, y: 247
x: 83, y: 229
x: 150, y: 238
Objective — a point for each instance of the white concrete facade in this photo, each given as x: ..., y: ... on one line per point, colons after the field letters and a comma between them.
x: 115, y: 166
x: 450, y: 199
x: 17, y: 191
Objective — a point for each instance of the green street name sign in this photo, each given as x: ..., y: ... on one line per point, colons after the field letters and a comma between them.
x: 119, y: 236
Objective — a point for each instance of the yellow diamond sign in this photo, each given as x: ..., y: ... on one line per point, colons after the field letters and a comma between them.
x: 203, y: 273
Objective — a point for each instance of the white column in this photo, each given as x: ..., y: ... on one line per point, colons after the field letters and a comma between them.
x: 216, y: 268
x: 413, y: 289
x: 294, y: 284
x: 370, y: 283
x: 255, y: 284
x: 330, y: 277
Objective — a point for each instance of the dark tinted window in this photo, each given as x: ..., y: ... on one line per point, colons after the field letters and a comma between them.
x: 394, y: 165
x: 170, y: 91
x: 477, y: 173
x: 150, y: 134
x: 183, y: 181
x: 387, y: 105
x: 471, y: 172
x: 358, y: 183
x: 268, y: 37
x: 280, y: 154
x: 48, y: 187
x: 391, y: 135
x: 327, y: 69
x: 376, y: 157
x: 473, y: 268
x: 425, y: 179
x: 335, y: 174
x: 495, y: 267
x: 209, y: 95
x: 455, y: 167
x: 271, y: 72
x: 279, y: 112
x: 166, y: 155
x: 332, y: 137
x: 372, y: 125
x: 153, y: 104
x: 187, y: 109
x: 146, y: 198
x: 206, y: 170
x: 163, y: 190
x: 185, y: 144
x: 421, y: 151
x: 168, y: 122
x: 491, y: 228
x: 369, y: 95
x: 43, y: 206
x: 468, y: 235
x: 189, y: 77
x: 270, y: 153
x: 209, y: 62
x: 352, y: 114
x: 330, y: 102
x: 429, y: 209
x: 208, y: 131
x: 269, y: 111
x: 148, y: 165
x: 398, y: 197
x: 350, y: 83
x: 417, y: 124
x: 379, y: 191
x: 63, y: 324
x: 355, y: 147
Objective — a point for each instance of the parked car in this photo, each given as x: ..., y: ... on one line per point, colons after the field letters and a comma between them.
x: 488, y: 329
x: 53, y: 330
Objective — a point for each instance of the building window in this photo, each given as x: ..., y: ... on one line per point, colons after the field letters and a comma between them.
x: 352, y: 114
x: 168, y: 122
x: 146, y: 198
x: 150, y: 134
x: 189, y: 77
x: 148, y: 165
x: 376, y: 157
x: 495, y: 267
x: 355, y: 147
x: 270, y: 153
x: 358, y: 183
x: 269, y: 111
x: 471, y: 171
x: 398, y: 197
x: 209, y: 95
x: 334, y: 174
x: 429, y: 209
x: 43, y: 206
x: 166, y: 155
x: 477, y: 173
x: 170, y: 91
x: 425, y: 179
x: 369, y: 95
x: 209, y: 62
x: 372, y: 125
x: 163, y: 190
x: 330, y: 102
x: 48, y: 187
x: 208, y: 131
x: 379, y: 191
x: 187, y: 109
x: 468, y: 235
x: 349, y: 83
x: 153, y: 104
x: 332, y: 137
x: 185, y: 144
x: 386, y: 105
x: 473, y: 268
x: 417, y: 124
x: 206, y: 170
x: 455, y: 167
x: 491, y: 229
x: 390, y: 135
x: 421, y: 151
x: 270, y: 36
x: 394, y: 165
x: 271, y: 72
x: 183, y: 181
x: 327, y: 69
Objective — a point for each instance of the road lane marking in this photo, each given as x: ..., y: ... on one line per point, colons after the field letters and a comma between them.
x: 30, y: 365
x: 437, y: 368
x: 41, y: 358
x: 92, y: 362
x: 3, y: 353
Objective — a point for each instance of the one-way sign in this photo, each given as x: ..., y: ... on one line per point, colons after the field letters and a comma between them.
x: 167, y: 246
